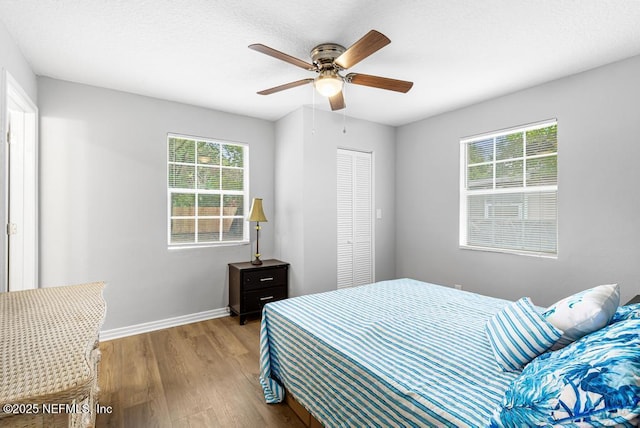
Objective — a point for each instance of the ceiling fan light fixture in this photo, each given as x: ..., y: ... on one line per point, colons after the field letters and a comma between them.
x: 328, y: 83
x: 331, y: 59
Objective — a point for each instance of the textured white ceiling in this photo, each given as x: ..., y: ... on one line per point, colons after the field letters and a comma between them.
x: 457, y: 52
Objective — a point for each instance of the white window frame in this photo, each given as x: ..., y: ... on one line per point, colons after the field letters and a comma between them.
x: 464, y: 192
x: 245, y: 193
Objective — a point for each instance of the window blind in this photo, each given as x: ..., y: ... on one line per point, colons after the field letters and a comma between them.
x: 509, y: 189
x: 207, y: 191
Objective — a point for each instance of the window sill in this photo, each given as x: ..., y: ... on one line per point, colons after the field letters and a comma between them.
x: 207, y: 245
x: 515, y: 252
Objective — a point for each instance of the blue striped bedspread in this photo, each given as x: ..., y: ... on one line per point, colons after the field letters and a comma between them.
x: 394, y: 353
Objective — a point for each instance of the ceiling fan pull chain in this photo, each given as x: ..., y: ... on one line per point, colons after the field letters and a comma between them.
x: 344, y: 114
x: 313, y: 110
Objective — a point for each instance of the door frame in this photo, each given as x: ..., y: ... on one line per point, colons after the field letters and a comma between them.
x: 12, y: 90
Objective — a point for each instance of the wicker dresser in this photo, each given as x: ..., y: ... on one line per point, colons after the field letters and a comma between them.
x: 49, y: 355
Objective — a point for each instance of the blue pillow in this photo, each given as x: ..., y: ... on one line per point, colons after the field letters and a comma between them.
x: 627, y: 312
x: 518, y: 333
x: 591, y: 382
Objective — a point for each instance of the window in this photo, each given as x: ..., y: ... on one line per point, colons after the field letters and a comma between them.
x: 509, y: 189
x: 207, y: 191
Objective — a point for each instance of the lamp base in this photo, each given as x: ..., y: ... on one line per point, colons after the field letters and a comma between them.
x: 256, y: 261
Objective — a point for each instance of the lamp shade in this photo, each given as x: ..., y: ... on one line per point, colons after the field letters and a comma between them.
x: 256, y: 213
x: 328, y: 83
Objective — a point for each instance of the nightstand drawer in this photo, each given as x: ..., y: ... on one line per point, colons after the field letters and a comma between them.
x: 255, y: 300
x: 261, y: 278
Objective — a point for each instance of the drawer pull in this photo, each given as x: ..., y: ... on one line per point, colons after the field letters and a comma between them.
x: 262, y: 299
x: 266, y: 279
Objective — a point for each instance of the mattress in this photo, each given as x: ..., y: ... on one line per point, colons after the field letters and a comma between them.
x: 393, y: 353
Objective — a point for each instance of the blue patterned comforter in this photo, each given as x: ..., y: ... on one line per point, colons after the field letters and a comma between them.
x: 394, y: 353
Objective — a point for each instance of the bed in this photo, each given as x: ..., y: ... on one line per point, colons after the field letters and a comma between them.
x: 393, y: 353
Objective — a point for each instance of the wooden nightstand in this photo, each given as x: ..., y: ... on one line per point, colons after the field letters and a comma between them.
x: 253, y: 286
x: 634, y: 300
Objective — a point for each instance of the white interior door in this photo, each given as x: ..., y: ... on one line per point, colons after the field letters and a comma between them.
x: 21, y: 189
x: 355, y: 218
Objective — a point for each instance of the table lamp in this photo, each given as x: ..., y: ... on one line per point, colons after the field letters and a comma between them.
x: 257, y: 214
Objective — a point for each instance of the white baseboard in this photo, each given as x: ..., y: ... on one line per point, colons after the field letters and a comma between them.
x: 146, y: 327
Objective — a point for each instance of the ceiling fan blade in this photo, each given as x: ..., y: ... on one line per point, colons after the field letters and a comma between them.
x: 285, y: 86
x: 370, y: 43
x: 337, y: 101
x: 281, y: 56
x: 379, y: 82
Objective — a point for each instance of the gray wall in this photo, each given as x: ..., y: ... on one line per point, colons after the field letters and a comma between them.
x: 103, y: 200
x: 12, y: 61
x: 598, y: 116
x: 290, y: 196
x: 307, y: 144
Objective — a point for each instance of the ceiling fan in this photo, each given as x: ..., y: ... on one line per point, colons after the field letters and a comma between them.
x: 329, y: 60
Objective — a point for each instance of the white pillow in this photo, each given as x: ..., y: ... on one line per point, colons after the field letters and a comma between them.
x: 583, y: 313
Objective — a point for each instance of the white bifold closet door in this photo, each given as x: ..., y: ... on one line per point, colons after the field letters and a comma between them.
x: 355, y: 218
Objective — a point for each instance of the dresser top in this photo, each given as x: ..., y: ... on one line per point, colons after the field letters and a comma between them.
x: 47, y: 337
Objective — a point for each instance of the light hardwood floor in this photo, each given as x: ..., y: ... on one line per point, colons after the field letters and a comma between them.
x: 198, y: 375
